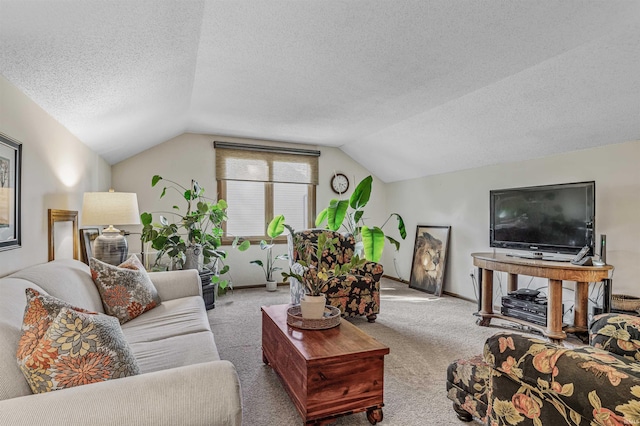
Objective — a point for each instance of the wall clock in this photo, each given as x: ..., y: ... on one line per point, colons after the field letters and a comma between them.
x: 339, y: 183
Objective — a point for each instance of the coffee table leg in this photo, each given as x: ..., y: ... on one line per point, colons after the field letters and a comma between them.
x: 374, y: 415
x: 264, y: 358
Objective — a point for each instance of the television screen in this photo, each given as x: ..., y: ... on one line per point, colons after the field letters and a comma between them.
x: 551, y: 218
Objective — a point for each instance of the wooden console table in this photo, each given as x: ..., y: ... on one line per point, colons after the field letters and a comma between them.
x: 555, y: 272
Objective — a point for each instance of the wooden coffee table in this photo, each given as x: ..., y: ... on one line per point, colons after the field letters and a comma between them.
x: 327, y: 373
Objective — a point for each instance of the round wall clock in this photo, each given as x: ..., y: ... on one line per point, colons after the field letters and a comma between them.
x: 339, y: 183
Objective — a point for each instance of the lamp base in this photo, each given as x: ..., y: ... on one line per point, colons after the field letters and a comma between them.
x: 111, y: 248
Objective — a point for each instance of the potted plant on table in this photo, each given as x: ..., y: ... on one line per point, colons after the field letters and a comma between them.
x: 274, y: 230
x: 369, y: 240
x: 193, y: 239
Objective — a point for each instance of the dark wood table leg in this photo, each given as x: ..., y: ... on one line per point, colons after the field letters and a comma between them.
x: 487, y: 297
x: 581, y: 301
x: 374, y: 415
x: 554, y: 311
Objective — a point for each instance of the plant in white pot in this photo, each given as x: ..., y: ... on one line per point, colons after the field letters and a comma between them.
x: 314, y: 273
x: 370, y: 239
x: 274, y: 230
x: 194, y: 238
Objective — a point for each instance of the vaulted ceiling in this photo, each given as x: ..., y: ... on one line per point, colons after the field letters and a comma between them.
x: 406, y: 88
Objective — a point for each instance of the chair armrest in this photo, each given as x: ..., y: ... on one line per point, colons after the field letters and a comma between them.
x: 515, y: 355
x: 371, y: 269
x: 616, y: 333
x: 198, y: 394
x: 177, y: 284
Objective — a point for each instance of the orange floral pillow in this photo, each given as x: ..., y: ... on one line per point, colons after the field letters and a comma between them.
x: 40, y: 311
x: 78, y: 348
x: 126, y: 290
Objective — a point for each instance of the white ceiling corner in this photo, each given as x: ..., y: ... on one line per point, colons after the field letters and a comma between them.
x: 461, y: 83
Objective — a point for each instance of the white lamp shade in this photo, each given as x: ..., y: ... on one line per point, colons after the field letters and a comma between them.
x: 110, y: 208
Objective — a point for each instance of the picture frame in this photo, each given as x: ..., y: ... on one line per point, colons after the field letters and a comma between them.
x: 10, y: 193
x: 430, y: 254
x: 55, y: 216
x: 87, y: 237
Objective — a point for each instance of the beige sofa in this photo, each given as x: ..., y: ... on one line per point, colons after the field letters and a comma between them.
x: 182, y: 380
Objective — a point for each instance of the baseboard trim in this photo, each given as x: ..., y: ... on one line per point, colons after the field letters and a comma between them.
x: 448, y: 293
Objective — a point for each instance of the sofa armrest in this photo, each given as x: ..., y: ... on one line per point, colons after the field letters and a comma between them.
x: 198, y: 394
x: 177, y: 284
x: 616, y: 333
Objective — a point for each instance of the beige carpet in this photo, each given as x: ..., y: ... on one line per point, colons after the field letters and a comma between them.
x: 424, y: 334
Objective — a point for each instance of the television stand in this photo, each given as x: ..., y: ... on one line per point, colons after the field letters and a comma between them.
x: 555, y: 272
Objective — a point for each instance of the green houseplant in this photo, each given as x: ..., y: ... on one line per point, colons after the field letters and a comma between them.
x: 350, y: 215
x: 194, y: 236
x: 274, y: 230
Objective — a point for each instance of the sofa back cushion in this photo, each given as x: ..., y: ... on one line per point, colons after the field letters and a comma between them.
x: 12, y: 305
x: 66, y: 279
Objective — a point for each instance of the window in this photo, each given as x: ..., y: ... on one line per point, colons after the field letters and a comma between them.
x: 259, y: 182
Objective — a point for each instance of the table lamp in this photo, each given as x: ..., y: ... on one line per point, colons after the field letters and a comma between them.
x: 113, y: 208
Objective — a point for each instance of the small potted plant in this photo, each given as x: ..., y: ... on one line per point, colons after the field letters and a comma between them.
x: 314, y: 275
x: 274, y: 230
x: 193, y: 239
x: 369, y: 240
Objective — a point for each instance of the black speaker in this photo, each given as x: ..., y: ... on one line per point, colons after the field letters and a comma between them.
x: 603, y: 248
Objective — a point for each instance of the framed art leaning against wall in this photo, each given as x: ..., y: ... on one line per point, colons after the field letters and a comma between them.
x: 10, y: 173
x: 430, y: 258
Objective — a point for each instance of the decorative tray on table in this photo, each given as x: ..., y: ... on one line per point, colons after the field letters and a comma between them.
x: 330, y: 319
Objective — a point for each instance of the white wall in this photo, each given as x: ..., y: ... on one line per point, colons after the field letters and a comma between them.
x: 56, y: 170
x: 191, y: 156
x: 461, y: 199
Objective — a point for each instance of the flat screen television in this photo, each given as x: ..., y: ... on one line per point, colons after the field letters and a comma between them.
x: 551, y: 218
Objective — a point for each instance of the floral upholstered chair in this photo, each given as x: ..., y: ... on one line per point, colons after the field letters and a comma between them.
x: 522, y: 380
x: 355, y: 294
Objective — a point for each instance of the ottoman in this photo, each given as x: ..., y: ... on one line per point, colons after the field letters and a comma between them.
x: 467, y: 387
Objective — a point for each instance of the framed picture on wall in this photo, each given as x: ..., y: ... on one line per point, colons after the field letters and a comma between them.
x: 87, y: 237
x: 430, y: 258
x: 10, y: 183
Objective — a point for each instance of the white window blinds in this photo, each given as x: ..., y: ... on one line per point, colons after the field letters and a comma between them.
x: 265, y: 164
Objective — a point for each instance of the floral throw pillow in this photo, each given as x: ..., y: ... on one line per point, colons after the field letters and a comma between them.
x: 126, y: 290
x: 40, y: 311
x: 78, y: 348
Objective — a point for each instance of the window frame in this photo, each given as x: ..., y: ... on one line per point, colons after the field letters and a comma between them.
x: 269, y: 213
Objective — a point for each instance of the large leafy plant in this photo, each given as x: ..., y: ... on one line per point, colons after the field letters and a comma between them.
x: 350, y: 215
x: 199, y: 224
x: 274, y: 230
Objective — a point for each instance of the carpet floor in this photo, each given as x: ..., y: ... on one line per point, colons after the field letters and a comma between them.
x: 424, y: 334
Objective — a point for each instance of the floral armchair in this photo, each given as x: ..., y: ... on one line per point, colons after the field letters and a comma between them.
x: 356, y: 294
x: 527, y: 381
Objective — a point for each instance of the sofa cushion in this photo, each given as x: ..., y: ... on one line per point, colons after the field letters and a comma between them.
x: 172, y: 318
x: 39, y: 313
x: 78, y: 348
x: 126, y: 290
x: 66, y: 279
x: 176, y: 351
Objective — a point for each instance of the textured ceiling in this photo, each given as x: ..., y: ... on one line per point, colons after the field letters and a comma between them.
x: 406, y: 88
